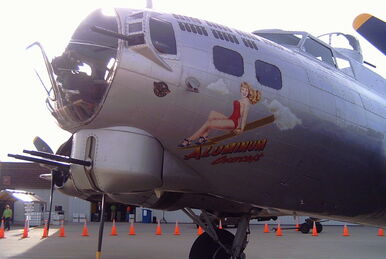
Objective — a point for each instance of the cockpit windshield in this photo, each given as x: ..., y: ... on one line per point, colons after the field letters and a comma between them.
x: 81, y: 75
x: 285, y: 39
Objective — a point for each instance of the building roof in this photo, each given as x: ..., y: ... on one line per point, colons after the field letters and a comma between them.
x: 14, y: 195
x: 17, y: 175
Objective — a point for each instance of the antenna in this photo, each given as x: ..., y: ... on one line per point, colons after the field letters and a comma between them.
x: 149, y: 4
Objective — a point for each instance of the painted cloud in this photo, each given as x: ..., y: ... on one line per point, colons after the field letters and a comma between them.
x: 284, y: 118
x: 219, y: 86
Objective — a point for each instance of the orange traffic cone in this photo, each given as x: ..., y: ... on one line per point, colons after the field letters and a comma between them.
x: 345, y: 231
x: 381, y: 232
x: 200, y: 231
x: 158, y: 231
x: 314, y: 231
x: 266, y: 229
x: 132, y: 230
x: 61, y: 230
x: 278, y: 231
x: 297, y: 227
x: 25, y: 231
x: 114, y: 229
x: 85, y: 230
x: 45, y: 230
x: 2, y: 229
x: 177, y: 229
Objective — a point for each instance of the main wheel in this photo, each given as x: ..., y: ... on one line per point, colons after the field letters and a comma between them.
x: 305, y: 228
x: 319, y: 227
x: 205, y: 248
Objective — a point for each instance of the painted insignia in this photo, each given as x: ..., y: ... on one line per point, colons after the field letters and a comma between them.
x: 161, y: 89
x: 236, y: 124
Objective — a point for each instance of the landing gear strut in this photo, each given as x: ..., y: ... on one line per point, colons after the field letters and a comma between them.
x: 218, y: 243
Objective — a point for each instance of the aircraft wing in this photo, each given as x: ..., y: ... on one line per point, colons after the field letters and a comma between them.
x: 372, y: 29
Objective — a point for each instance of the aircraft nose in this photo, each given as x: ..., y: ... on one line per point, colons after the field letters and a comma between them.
x: 84, y: 71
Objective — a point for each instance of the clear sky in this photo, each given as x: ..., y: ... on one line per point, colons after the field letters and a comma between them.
x: 22, y: 108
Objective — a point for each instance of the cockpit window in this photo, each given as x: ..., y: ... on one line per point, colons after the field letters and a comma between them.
x: 344, y: 65
x: 162, y: 36
x: 319, y: 51
x: 282, y: 38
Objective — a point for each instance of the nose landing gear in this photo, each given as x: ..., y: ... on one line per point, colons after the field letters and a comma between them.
x: 218, y: 243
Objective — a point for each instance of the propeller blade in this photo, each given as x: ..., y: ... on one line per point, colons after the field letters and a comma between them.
x: 41, y: 145
x: 101, y: 226
x: 372, y: 29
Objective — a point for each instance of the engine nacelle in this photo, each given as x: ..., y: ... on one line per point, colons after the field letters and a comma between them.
x: 124, y: 160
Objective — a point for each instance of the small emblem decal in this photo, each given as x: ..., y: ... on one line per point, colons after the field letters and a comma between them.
x: 161, y: 89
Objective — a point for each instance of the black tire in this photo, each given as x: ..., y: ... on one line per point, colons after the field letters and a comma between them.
x: 205, y: 248
x: 319, y: 227
x: 305, y: 228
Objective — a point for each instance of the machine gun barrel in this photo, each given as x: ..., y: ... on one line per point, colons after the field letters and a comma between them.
x: 58, y: 158
x: 50, y: 163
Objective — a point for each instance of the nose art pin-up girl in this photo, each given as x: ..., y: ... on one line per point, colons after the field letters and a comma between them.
x: 235, y: 122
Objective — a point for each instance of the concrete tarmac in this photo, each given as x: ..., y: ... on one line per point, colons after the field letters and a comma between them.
x: 363, y: 242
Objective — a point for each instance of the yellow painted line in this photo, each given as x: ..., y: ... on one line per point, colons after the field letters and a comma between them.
x: 360, y: 20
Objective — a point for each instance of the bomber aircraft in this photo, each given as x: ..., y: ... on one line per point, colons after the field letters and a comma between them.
x: 173, y: 112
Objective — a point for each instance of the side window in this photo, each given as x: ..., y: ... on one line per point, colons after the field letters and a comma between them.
x: 268, y: 74
x: 319, y: 51
x: 228, y: 61
x: 162, y: 36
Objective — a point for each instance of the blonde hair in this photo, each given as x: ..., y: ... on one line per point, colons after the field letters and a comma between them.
x: 253, y: 95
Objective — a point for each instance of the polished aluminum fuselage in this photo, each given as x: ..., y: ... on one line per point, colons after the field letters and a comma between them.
x: 329, y: 163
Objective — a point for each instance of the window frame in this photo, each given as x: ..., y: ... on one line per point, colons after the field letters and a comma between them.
x: 228, y: 69
x: 276, y: 69
x: 156, y: 19
x: 348, y: 70
x: 309, y: 37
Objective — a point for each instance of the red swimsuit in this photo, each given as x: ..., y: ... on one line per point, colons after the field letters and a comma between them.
x: 236, y: 113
